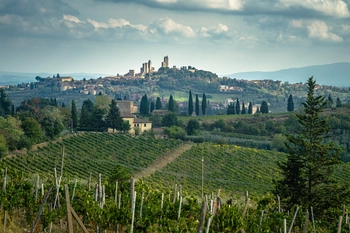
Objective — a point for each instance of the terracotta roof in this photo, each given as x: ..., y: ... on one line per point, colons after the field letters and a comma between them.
x: 140, y: 120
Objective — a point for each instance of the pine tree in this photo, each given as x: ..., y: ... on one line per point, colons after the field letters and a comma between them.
x: 290, y: 105
x: 197, y: 105
x: 171, y: 104
x: 250, y: 108
x: 158, y: 103
x: 243, y: 108
x: 238, y: 107
x: 204, y: 104
x: 114, y: 120
x: 307, y: 173
x: 264, y: 107
x: 74, y: 115
x: 190, y: 104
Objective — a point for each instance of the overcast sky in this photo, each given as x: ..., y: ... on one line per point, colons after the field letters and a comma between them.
x: 223, y: 36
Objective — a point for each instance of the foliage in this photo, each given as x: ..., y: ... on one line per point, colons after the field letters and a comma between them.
x: 231, y: 109
x: 312, y: 156
x: 3, y: 146
x: 126, y: 126
x: 190, y: 104
x: 86, y: 113
x: 113, y: 119
x: 238, y: 107
x: 197, y: 105
x: 175, y: 132
x: 32, y: 130
x: 102, y: 102
x: 144, y: 106
x: 250, y: 108
x: 204, y: 104
x: 338, y: 103
x: 243, y: 108
x: 264, y: 107
x: 5, y: 103
x: 74, y: 115
x: 171, y: 104
x: 170, y: 119
x: 152, y: 107
x: 192, y: 127
x: 10, y: 128
x: 290, y: 106
x: 158, y: 103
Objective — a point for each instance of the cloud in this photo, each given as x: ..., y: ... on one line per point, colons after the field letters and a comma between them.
x: 320, y: 30
x: 167, y: 26
x: 217, y: 32
x: 285, y: 8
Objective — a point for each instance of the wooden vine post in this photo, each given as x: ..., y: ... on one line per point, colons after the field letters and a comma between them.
x: 202, y: 218
x: 71, y: 212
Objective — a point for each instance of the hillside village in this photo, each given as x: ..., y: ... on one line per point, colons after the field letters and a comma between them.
x: 133, y: 85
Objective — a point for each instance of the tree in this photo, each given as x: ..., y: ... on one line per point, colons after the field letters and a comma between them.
x: 171, y: 104
x: 238, y: 107
x: 243, y: 108
x: 290, y: 106
x: 338, y: 103
x: 114, y: 120
x: 330, y: 101
x: 307, y: 173
x: 197, y: 105
x: 231, y: 109
x: 5, y: 103
x: 190, y: 104
x: 97, y: 121
x: 86, y: 114
x: 204, y: 104
x: 152, y: 106
x: 169, y: 119
x: 250, y: 108
x: 126, y: 126
x: 158, y: 103
x: 144, y: 106
x: 264, y: 107
x: 103, y: 101
x: 192, y: 127
x: 175, y: 132
x: 74, y: 115
x: 32, y: 130
x: 3, y: 146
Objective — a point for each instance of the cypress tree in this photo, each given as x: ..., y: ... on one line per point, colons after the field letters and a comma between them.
x: 238, y: 107
x: 190, y: 104
x: 290, y: 106
x: 264, y: 107
x: 243, y: 108
x: 144, y: 106
x: 197, y: 105
x: 114, y: 120
x: 171, y: 104
x: 250, y: 108
x: 5, y: 103
x: 338, y: 103
x: 158, y: 103
x: 204, y: 104
x: 231, y: 109
x: 74, y: 115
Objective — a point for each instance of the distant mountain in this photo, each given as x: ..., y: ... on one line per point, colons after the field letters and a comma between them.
x: 337, y: 74
x: 15, y: 78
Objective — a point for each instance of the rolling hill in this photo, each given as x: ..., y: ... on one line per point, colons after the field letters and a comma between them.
x: 337, y: 74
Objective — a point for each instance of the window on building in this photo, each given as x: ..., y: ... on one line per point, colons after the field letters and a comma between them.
x: 144, y: 125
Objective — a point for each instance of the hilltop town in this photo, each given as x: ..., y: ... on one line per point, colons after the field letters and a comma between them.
x: 166, y: 81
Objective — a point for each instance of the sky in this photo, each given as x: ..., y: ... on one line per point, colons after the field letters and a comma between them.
x: 222, y: 36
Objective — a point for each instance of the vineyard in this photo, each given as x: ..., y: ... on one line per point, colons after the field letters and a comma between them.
x: 232, y: 169
x: 92, y: 153
x: 155, y: 203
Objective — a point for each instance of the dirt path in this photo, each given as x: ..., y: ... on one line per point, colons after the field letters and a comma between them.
x: 163, y: 161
